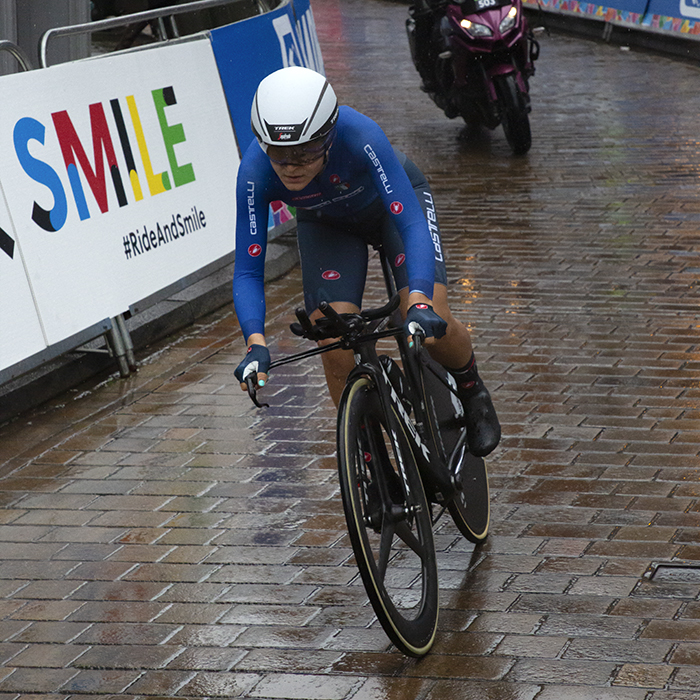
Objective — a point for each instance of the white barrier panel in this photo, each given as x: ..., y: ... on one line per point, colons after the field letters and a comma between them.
x: 20, y: 331
x: 119, y: 174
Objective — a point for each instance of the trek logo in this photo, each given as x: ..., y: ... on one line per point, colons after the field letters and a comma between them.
x: 406, y: 420
x: 380, y: 168
x: 28, y: 129
x: 396, y: 207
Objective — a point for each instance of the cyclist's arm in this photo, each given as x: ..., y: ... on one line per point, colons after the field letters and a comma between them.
x: 400, y: 200
x: 251, y: 245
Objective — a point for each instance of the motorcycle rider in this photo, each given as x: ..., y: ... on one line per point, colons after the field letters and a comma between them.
x: 426, y: 44
x: 350, y: 188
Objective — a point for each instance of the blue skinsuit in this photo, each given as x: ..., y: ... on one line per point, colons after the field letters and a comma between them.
x: 363, y: 175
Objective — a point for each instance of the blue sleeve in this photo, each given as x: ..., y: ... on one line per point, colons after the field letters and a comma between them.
x: 400, y: 200
x: 252, y: 202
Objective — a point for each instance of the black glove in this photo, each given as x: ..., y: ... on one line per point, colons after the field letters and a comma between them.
x: 256, y: 361
x: 422, y: 317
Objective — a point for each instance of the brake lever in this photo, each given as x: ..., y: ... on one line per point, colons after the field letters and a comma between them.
x: 342, y: 325
x: 305, y: 322
x: 251, y: 382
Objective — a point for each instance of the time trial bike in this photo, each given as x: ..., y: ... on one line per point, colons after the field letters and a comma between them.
x: 403, y: 461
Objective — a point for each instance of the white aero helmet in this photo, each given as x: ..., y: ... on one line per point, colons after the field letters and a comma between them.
x: 293, y: 106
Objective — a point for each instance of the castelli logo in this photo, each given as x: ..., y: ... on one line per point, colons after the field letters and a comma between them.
x: 368, y: 457
x: 396, y: 207
x: 421, y: 306
x: 400, y: 259
x: 335, y: 179
x: 254, y: 250
x: 331, y: 275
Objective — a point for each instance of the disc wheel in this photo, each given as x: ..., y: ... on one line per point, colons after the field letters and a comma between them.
x: 470, y: 508
x: 516, y: 123
x: 388, y: 519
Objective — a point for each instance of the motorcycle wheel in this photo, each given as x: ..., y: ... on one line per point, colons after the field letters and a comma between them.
x: 516, y: 123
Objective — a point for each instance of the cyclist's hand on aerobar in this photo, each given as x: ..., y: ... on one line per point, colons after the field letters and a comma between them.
x: 257, y: 361
x: 422, y: 317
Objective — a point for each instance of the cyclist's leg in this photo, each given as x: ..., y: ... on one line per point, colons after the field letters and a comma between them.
x: 454, y: 350
x: 334, y: 267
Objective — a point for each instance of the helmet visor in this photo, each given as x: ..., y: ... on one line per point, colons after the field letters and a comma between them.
x: 304, y: 154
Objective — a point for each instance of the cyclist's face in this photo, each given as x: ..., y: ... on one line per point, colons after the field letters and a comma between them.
x: 296, y: 167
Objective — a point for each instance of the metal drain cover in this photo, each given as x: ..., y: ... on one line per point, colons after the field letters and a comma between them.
x: 677, y: 573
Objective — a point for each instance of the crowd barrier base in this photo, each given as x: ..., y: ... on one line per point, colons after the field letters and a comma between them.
x: 95, y: 352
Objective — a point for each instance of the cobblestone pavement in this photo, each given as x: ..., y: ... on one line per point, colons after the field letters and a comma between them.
x: 159, y: 537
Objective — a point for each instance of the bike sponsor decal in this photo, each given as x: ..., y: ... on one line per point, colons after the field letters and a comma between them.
x: 396, y: 207
x: 331, y: 275
x: 431, y: 216
x: 404, y: 416
x: 379, y: 167
x: 400, y: 260
x: 254, y: 250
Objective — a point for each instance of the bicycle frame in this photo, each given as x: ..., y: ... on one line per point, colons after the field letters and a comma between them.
x: 438, y: 479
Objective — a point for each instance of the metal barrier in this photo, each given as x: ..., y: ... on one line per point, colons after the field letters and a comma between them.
x: 147, y: 16
x: 15, y: 50
x: 116, y: 335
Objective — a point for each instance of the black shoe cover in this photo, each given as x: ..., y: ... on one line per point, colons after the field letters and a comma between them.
x: 483, y: 428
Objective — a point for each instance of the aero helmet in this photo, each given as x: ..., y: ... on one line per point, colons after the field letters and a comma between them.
x: 293, y: 106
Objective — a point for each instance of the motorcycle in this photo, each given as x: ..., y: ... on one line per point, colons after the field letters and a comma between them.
x: 475, y: 58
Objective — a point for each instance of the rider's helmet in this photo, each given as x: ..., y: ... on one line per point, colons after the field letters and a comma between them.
x: 294, y: 106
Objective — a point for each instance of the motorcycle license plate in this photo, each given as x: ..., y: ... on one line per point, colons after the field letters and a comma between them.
x: 471, y: 7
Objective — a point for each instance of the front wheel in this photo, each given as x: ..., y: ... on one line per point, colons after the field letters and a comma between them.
x: 388, y: 519
x: 514, y: 115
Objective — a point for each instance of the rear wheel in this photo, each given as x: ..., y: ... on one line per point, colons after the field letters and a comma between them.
x: 516, y: 123
x: 470, y: 508
x: 388, y: 519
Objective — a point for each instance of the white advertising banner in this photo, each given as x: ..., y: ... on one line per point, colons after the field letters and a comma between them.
x: 20, y: 331
x: 119, y: 174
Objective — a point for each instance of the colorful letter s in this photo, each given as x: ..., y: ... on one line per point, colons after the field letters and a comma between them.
x: 27, y: 129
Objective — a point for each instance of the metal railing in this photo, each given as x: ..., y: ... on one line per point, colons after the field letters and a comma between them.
x: 15, y: 50
x: 159, y: 15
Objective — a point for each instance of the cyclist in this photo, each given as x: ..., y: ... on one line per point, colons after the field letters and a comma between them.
x: 350, y: 188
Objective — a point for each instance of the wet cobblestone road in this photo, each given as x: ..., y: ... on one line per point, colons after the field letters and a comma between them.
x: 159, y: 537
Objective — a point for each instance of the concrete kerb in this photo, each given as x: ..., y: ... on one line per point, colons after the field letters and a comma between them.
x: 169, y: 315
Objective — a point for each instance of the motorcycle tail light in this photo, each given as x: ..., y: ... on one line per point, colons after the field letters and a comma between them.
x: 475, y: 29
x: 508, y: 22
